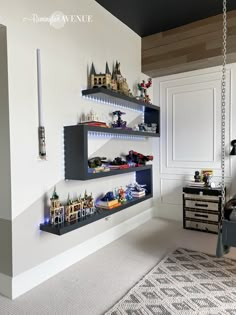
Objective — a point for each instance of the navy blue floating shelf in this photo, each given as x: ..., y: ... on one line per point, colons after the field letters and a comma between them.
x: 110, y: 96
x: 151, y: 112
x: 66, y: 227
x: 76, y: 154
x: 125, y: 132
x: 118, y: 172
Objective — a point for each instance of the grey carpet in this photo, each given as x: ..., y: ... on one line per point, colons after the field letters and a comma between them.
x: 184, y: 282
x: 93, y: 285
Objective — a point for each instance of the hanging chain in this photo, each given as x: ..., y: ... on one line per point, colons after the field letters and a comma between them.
x: 223, y: 102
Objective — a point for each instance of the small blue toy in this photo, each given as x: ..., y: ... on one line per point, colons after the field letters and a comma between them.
x: 128, y: 194
x: 109, y: 196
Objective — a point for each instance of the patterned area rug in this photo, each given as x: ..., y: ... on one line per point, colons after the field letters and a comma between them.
x: 184, y: 282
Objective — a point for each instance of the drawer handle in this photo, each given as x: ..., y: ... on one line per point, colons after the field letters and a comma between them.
x: 201, y: 215
x: 200, y: 205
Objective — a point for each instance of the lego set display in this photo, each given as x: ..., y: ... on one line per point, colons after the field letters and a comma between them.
x: 205, y: 179
x: 119, y: 196
x: 113, y: 81
x: 63, y: 217
x: 118, y: 164
x: 96, y: 161
x: 116, y: 82
x: 92, y: 119
x: 108, y: 201
x: 153, y: 128
x: 85, y: 206
x: 119, y: 123
x: 132, y: 159
x: 138, y: 158
x: 137, y: 190
x: 97, y: 164
x: 73, y: 210
x: 142, y: 87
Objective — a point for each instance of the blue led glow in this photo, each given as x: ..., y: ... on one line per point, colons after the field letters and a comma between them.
x: 114, y: 104
x: 117, y: 136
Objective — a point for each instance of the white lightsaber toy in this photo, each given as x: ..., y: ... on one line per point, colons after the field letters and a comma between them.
x: 41, y: 129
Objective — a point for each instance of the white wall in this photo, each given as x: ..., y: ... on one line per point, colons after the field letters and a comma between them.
x: 190, y: 133
x: 5, y: 174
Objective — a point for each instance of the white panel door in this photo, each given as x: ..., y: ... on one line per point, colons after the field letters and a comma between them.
x: 190, y: 132
x: 190, y: 124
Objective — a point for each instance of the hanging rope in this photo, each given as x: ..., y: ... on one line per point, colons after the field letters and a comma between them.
x: 223, y: 101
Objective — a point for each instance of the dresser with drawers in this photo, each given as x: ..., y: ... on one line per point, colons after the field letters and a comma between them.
x: 201, y: 208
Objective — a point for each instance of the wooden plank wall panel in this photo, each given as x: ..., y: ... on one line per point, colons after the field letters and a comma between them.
x: 190, y: 47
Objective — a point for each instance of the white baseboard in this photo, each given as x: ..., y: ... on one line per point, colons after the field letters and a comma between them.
x: 35, y: 276
x: 5, y: 285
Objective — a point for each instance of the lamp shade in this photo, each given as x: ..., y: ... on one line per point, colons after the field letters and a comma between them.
x: 233, y: 151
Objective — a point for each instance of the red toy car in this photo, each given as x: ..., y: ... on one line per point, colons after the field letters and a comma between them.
x: 138, y: 158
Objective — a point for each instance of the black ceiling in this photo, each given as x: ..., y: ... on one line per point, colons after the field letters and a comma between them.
x: 154, y: 16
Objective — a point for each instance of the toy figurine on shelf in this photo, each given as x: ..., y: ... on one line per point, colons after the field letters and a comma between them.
x: 152, y: 128
x: 57, y: 211
x: 142, y: 87
x: 119, y: 123
x: 122, y: 198
x: 136, y: 187
x: 206, y: 178
x: 109, y: 196
x: 96, y: 161
x: 138, y: 158
x: 118, y: 163
x: 95, y: 165
x: 137, y: 190
x: 142, y: 127
x: 128, y: 194
x: 92, y: 119
x: 108, y: 202
x: 197, y: 177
